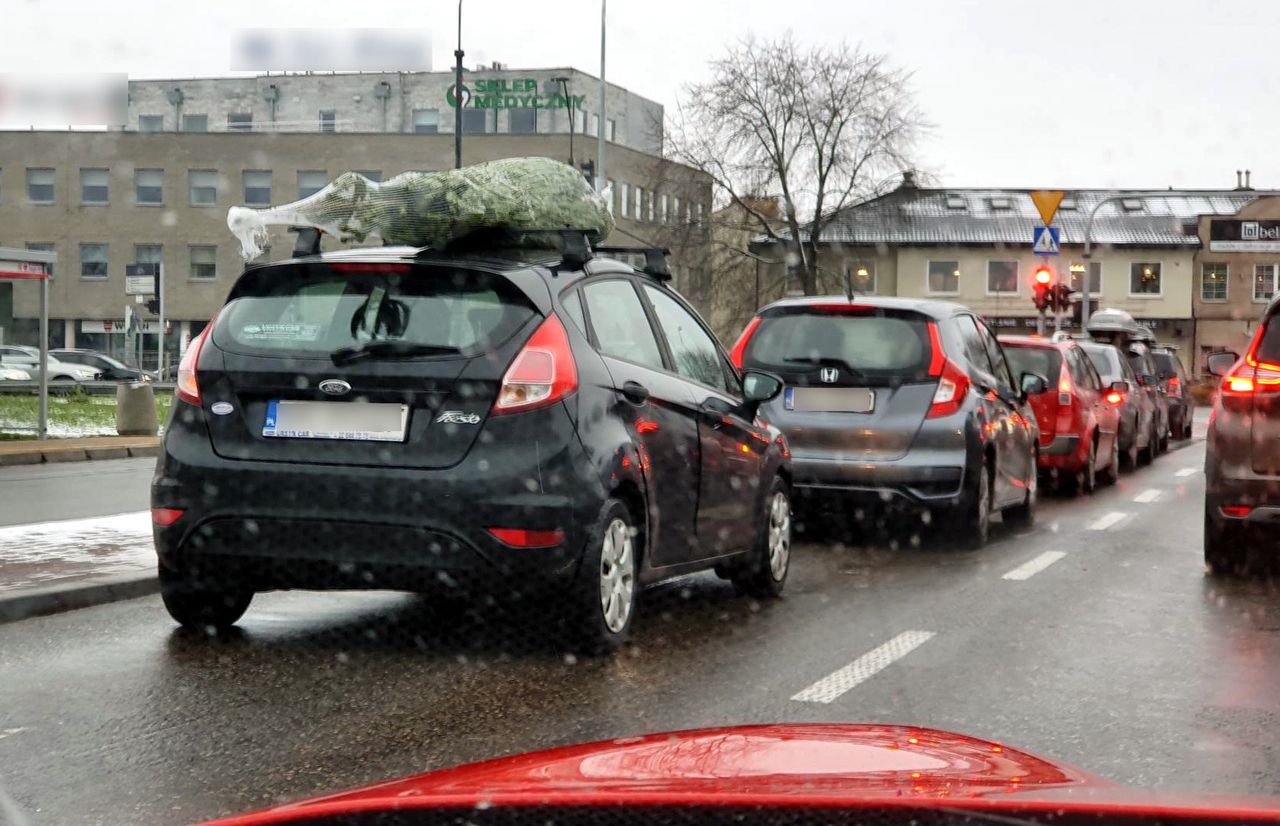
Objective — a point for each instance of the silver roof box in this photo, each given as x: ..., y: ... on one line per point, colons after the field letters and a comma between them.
x: 1117, y: 327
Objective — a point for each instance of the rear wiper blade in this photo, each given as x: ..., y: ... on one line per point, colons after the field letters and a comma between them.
x: 825, y: 361
x: 389, y: 350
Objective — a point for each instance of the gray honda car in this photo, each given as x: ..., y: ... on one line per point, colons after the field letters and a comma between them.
x: 1242, y: 454
x: 901, y: 405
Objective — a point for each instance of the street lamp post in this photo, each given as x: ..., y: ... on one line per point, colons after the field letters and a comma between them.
x: 568, y: 108
x: 457, y: 96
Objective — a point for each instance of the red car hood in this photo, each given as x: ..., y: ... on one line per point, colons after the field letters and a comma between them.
x: 771, y: 765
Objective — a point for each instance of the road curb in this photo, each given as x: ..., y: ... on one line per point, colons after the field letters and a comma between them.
x: 55, y: 599
x: 68, y: 451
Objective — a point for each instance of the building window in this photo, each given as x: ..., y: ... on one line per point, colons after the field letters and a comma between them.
x: 328, y: 120
x: 522, y: 121
x: 652, y: 205
x: 611, y: 129
x: 148, y: 186
x: 150, y: 123
x: 862, y: 276
x: 697, y: 213
x: 944, y: 277
x: 257, y: 188
x: 374, y: 175
x: 625, y: 199
x: 1264, y: 282
x: 426, y: 121
x: 676, y: 215
x: 311, y: 181
x: 147, y: 253
x: 43, y: 246
x: 637, y: 202
x: 239, y: 121
x: 1002, y: 277
x: 595, y: 124
x: 1213, y: 280
x: 40, y: 186
x: 204, y: 262
x: 581, y: 115
x: 475, y: 121
x: 666, y: 209
x: 1144, y: 278
x: 1077, y: 271
x: 195, y: 123
x: 203, y: 187
x: 93, y: 261
x: 95, y: 186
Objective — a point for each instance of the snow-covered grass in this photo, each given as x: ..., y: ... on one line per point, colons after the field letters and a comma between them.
x: 69, y: 416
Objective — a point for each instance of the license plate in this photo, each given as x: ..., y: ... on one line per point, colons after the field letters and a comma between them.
x: 830, y: 399
x: 352, y: 421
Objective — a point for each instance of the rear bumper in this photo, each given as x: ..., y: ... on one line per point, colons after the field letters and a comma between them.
x: 921, y: 478
x: 1258, y: 494
x: 266, y: 525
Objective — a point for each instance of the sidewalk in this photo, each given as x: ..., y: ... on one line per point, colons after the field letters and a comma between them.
x: 34, y: 452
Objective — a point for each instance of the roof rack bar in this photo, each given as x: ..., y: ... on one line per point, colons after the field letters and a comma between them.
x: 308, y: 242
x: 655, y: 259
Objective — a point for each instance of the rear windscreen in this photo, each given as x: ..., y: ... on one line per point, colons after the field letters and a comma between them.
x: 1042, y: 361
x: 1166, y: 363
x: 875, y: 344
x: 1105, y: 363
x: 318, y: 310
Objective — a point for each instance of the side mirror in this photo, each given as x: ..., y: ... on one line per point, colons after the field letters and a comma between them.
x: 1119, y: 386
x: 1033, y: 384
x: 1219, y: 364
x: 759, y: 387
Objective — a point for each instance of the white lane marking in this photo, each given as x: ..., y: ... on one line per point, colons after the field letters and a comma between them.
x: 1187, y: 471
x: 1148, y: 495
x: 832, y: 686
x: 1108, y: 520
x: 1034, y: 566
x: 6, y: 732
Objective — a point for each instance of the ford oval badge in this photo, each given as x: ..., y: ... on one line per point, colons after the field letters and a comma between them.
x: 335, y: 387
x: 220, y: 408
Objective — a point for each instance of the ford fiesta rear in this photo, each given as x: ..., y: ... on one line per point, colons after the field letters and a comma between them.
x: 369, y: 424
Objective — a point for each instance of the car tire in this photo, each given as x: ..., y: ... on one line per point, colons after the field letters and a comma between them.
x: 603, y: 594
x: 970, y: 525
x: 1089, y: 476
x: 197, y: 606
x: 1024, y: 515
x: 763, y: 573
x: 1225, y: 551
x: 1111, y: 473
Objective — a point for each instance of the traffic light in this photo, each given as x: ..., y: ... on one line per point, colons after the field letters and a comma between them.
x: 153, y: 306
x: 1043, y: 290
x: 1063, y: 297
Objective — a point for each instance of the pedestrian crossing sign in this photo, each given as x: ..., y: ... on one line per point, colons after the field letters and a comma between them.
x: 1045, y: 241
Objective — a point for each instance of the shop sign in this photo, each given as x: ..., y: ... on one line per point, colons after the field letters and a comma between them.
x: 1244, y: 236
x: 517, y: 93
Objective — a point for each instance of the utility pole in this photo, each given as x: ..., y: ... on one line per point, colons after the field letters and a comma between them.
x: 457, y: 96
x: 600, y: 176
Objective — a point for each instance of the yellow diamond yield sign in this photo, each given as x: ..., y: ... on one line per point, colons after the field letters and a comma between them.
x: 1047, y: 200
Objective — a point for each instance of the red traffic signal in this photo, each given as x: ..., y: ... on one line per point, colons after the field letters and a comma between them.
x: 1041, y: 284
x: 1044, y: 275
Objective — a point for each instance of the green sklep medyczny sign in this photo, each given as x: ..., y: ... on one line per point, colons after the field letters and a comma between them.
x: 521, y: 93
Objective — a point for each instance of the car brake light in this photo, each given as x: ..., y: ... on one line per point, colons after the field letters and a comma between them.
x: 1114, y: 396
x: 842, y: 308
x: 543, y: 373
x: 164, y: 517
x: 953, y: 383
x: 1064, y: 387
x: 1249, y: 376
x: 523, y: 538
x: 188, y: 386
x: 1236, y: 511
x: 1174, y: 388
x: 735, y: 355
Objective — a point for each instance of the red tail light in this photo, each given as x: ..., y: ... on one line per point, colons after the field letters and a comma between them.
x: 164, y: 517
x: 735, y: 355
x: 953, y: 383
x: 1174, y: 388
x: 523, y: 538
x: 1236, y: 511
x: 543, y: 373
x: 1114, y: 397
x: 187, y: 385
x: 1064, y: 387
x: 1249, y: 376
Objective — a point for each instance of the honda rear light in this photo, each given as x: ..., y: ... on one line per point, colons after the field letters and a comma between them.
x: 953, y: 382
x: 735, y: 355
x: 1064, y: 387
x: 188, y: 385
x: 1114, y: 397
x: 542, y: 373
x: 1174, y: 388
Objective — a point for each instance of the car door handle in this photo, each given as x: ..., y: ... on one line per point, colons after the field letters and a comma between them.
x: 635, y: 392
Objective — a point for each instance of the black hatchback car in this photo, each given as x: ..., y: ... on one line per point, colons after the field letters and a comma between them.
x: 900, y: 404
x: 518, y: 421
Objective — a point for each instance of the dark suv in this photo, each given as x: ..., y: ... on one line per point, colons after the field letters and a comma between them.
x: 1242, y: 451
x: 902, y: 404
x: 396, y: 418
x: 1177, y: 391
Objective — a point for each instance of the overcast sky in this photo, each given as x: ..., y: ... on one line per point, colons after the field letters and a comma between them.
x: 1133, y: 93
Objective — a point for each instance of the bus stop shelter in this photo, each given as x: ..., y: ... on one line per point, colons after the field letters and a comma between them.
x: 34, y: 265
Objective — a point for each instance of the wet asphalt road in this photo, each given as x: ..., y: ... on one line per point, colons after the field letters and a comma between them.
x: 1119, y: 656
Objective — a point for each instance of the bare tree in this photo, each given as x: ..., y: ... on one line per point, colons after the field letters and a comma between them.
x: 819, y: 127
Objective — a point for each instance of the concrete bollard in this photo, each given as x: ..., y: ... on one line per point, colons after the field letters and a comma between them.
x: 135, y: 409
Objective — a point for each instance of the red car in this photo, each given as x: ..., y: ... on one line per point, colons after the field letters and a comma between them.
x: 829, y: 774
x: 1079, y: 413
